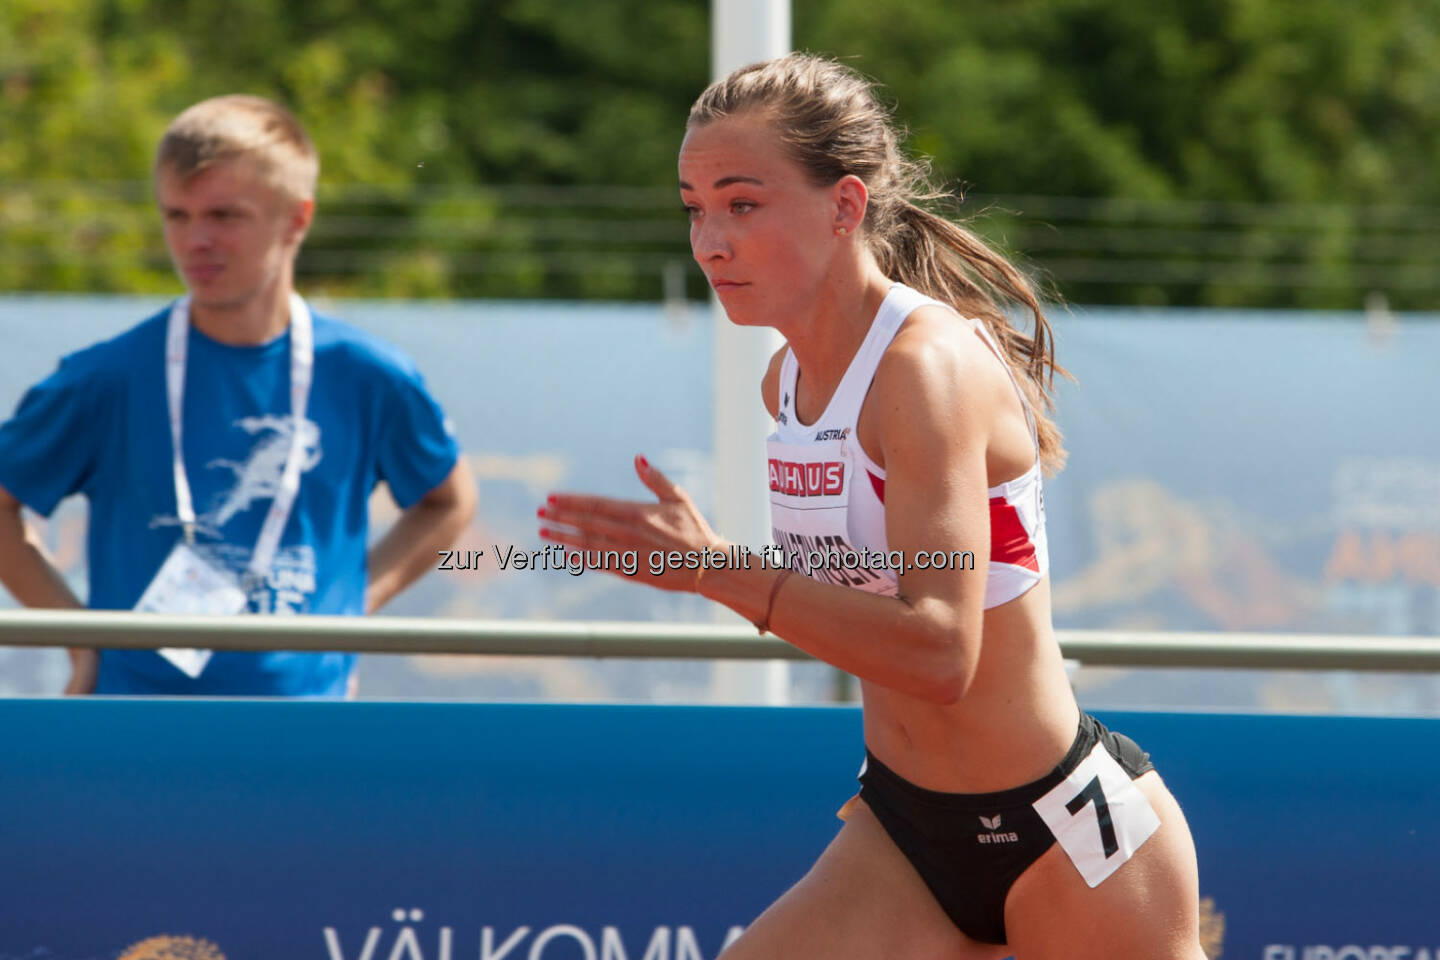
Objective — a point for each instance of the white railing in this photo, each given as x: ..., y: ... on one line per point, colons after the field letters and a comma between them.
x: 670, y: 641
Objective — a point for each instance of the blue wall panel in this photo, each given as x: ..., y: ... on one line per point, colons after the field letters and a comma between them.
x: 295, y: 829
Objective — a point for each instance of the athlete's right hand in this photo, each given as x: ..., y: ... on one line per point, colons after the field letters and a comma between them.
x: 84, y: 670
x: 671, y: 525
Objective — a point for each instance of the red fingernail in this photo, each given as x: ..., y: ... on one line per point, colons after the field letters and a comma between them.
x: 552, y: 499
x: 643, y: 462
x: 540, y: 512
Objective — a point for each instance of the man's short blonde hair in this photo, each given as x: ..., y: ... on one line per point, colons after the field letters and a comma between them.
x: 227, y: 128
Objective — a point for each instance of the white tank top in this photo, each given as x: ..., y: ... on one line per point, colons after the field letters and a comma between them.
x: 828, y: 498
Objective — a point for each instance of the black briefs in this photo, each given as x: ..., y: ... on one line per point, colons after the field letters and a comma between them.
x: 970, y: 848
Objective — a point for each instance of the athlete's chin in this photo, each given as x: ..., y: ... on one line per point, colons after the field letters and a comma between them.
x: 742, y: 318
x: 744, y: 311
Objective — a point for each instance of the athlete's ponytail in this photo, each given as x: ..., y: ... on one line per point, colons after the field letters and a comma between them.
x: 942, y: 259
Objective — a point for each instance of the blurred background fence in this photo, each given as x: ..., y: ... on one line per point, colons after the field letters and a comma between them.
x: 631, y: 243
x: 1187, y: 154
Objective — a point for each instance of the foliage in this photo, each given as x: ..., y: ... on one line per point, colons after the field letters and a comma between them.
x: 1265, y: 152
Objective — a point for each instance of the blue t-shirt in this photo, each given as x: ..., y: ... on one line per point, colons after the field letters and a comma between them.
x: 99, y: 426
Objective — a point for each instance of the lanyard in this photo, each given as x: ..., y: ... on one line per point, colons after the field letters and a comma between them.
x: 302, y: 365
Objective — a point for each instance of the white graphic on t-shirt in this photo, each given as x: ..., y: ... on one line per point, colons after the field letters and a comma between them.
x: 290, y: 584
x: 257, y: 477
x: 291, y: 581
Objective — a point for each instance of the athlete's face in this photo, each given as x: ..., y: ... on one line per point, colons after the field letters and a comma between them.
x: 761, y: 231
x: 231, y: 235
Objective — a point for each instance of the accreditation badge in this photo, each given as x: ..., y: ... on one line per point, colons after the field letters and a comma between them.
x: 189, y: 585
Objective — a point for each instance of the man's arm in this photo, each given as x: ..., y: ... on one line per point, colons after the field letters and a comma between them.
x: 409, y: 548
x: 26, y: 571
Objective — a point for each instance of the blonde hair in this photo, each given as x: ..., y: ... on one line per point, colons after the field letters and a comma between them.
x: 229, y: 127
x: 830, y: 121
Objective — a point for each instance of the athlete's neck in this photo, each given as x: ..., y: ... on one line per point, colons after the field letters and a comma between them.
x: 827, y: 339
x: 256, y: 321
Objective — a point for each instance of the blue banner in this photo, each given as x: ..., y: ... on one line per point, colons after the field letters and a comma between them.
x: 1229, y: 470
x: 385, y: 831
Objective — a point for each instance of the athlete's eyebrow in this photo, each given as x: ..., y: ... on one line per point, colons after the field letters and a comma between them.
x: 725, y: 182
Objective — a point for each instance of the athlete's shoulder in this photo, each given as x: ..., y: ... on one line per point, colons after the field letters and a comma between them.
x: 937, y: 378
x: 934, y: 342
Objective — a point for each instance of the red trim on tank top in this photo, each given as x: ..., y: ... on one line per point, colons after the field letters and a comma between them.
x: 1009, y: 541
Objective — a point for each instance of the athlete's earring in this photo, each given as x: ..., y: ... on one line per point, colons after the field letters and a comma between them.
x: 841, y: 231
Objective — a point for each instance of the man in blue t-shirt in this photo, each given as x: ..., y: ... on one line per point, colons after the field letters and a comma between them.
x: 228, y: 445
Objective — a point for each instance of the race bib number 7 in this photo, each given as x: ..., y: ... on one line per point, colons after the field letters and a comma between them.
x: 1098, y: 816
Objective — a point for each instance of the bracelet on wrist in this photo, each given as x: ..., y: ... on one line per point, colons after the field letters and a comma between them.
x: 763, y: 625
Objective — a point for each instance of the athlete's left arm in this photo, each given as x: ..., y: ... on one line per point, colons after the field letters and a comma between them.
x: 409, y: 548
x: 931, y: 408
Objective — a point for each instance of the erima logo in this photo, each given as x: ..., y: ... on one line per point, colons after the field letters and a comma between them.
x: 832, y: 434
x: 993, y: 824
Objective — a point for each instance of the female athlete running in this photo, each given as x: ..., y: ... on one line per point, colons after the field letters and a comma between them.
x: 994, y: 817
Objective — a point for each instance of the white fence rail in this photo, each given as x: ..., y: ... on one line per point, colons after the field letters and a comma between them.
x: 671, y: 641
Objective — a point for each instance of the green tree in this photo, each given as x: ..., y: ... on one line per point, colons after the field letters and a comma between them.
x: 1264, y: 152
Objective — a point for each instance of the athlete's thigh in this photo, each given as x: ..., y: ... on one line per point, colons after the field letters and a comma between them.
x: 860, y: 901
x: 1146, y: 910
